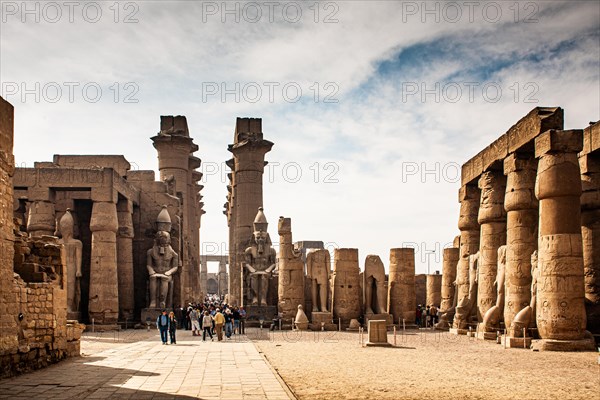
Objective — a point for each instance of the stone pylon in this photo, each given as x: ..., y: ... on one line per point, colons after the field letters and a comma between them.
x: 401, y: 287
x: 560, y: 310
x: 492, y: 219
x: 521, y: 206
x: 346, y: 285
x: 246, y: 194
x: 291, y: 272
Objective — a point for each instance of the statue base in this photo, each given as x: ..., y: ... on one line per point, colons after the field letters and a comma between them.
x: 389, y: 321
x: 586, y: 344
x: 322, y: 321
x: 458, y: 331
x: 256, y: 313
x: 486, y: 335
x: 516, y: 342
x: 150, y: 315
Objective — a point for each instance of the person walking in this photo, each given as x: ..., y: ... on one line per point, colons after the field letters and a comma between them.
x: 236, y: 320
x: 228, y: 323
x: 219, y: 321
x: 207, y: 322
x: 195, y: 324
x: 172, y: 327
x: 242, y: 321
x: 162, y: 324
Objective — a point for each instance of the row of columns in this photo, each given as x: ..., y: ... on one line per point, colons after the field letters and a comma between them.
x: 503, y: 209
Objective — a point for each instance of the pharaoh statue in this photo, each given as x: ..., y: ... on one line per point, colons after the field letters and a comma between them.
x: 524, y: 317
x: 162, y: 262
x: 260, y: 258
x: 465, y: 305
x: 491, y: 319
x: 73, y: 249
x: 317, y: 271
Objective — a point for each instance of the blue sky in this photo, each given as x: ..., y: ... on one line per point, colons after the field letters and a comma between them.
x: 378, y: 166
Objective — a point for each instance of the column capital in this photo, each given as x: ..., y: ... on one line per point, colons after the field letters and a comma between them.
x: 555, y: 141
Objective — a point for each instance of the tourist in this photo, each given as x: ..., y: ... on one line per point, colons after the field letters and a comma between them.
x: 194, y: 320
x: 207, y: 323
x: 228, y: 323
x: 162, y: 324
x: 242, y: 321
x: 172, y: 326
x: 179, y: 316
x: 427, y: 317
x: 236, y: 320
x: 418, y: 315
x: 219, y: 320
x: 433, y: 314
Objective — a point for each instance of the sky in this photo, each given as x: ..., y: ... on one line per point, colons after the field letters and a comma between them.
x: 372, y: 106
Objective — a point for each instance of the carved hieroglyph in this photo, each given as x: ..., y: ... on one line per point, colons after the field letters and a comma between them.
x: 521, y: 231
x: 560, y: 309
x: 345, y: 282
x: 317, y: 270
x: 492, y: 317
x: 291, y: 271
x: 374, y: 286
x: 401, y: 287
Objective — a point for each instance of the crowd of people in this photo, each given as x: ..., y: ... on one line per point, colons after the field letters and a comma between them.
x: 211, y: 318
x: 427, y: 316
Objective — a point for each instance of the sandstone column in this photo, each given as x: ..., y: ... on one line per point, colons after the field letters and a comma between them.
x: 469, y: 197
x: 521, y: 232
x: 448, y: 290
x: 291, y: 272
x: 104, y: 286
x: 41, y: 218
x: 125, y: 258
x: 203, y: 275
x: 560, y: 310
x: 434, y: 290
x: 346, y: 285
x: 222, y: 278
x: 492, y: 219
x: 249, y: 149
x: 401, y: 287
x: 590, y: 230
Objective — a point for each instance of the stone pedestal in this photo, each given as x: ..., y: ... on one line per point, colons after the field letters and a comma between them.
x: 516, y: 342
x: 377, y: 334
x: 492, y: 219
x: 560, y: 310
x: 380, y: 317
x: 322, y: 320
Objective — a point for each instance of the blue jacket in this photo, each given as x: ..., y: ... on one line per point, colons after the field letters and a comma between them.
x: 159, y: 323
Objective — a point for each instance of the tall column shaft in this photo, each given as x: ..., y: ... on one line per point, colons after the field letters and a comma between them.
x: 291, y: 272
x: 492, y: 219
x: 434, y: 290
x: 560, y: 310
x: 401, y: 287
x: 125, y: 259
x: 41, y: 219
x: 469, y: 197
x: 104, y: 286
x: 346, y: 285
x: 521, y: 206
x: 448, y: 290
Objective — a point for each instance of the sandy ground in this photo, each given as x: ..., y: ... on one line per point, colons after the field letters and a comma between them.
x: 425, y: 365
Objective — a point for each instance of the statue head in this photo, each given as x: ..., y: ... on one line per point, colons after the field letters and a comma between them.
x: 163, y: 239
x: 163, y: 221
x: 66, y: 225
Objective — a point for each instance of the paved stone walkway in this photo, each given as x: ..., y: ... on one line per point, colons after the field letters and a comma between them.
x: 135, y: 365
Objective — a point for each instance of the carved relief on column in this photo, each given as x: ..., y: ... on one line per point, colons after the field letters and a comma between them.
x: 521, y: 206
x: 560, y: 308
x: 346, y: 286
x: 492, y: 219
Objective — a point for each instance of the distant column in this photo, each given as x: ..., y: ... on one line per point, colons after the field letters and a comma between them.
x: 492, y: 219
x: 434, y: 290
x: 451, y: 256
x: 125, y: 258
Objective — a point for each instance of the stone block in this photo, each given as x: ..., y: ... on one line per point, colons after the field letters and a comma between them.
x: 377, y: 330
